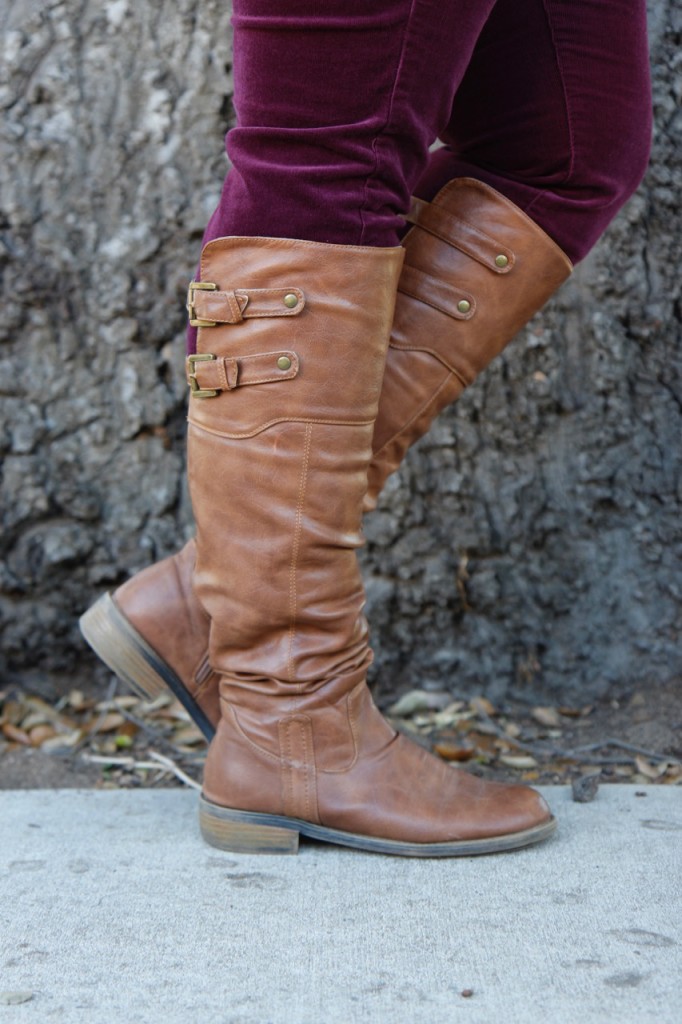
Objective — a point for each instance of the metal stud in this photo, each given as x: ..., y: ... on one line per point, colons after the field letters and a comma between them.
x: 501, y: 260
x: 463, y: 306
x: 291, y: 300
x: 284, y: 362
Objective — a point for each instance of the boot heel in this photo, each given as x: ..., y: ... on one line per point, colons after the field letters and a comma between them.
x: 243, y: 832
x: 122, y: 649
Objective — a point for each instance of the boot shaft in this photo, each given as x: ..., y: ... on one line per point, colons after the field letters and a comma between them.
x: 278, y: 464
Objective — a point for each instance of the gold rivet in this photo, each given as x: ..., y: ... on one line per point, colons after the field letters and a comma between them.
x: 501, y: 260
x: 463, y: 306
x: 291, y: 300
x: 284, y: 362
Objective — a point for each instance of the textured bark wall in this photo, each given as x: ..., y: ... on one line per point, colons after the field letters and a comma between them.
x: 531, y: 542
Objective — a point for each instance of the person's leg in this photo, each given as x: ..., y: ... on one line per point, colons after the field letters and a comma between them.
x: 285, y: 388
x: 337, y: 104
x: 336, y: 114
x: 152, y: 633
x: 555, y: 112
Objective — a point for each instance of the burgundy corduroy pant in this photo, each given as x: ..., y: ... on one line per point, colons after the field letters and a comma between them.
x: 339, y: 103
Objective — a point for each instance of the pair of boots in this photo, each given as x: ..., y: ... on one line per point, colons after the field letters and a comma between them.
x: 317, y: 367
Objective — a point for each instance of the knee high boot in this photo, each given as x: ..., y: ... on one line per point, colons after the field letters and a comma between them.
x: 476, y: 269
x: 286, y: 385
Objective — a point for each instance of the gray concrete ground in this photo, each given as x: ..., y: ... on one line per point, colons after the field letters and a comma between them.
x: 113, y: 910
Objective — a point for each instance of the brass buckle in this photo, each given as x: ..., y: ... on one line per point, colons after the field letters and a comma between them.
x: 202, y: 286
x: 195, y: 390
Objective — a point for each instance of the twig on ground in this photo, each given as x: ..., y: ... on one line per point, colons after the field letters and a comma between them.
x: 144, y: 726
x: 576, y: 754
x: 171, y: 766
x: 651, y: 754
x: 119, y: 762
x: 501, y: 734
x: 156, y: 761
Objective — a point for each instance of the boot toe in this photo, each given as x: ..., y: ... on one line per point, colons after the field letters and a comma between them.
x: 526, y: 809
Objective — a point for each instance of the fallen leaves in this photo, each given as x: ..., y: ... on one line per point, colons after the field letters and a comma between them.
x: 117, y: 733
x: 139, y: 742
x: 657, y: 771
x: 524, y: 742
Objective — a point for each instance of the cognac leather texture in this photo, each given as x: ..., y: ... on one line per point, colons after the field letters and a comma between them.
x: 277, y: 478
x: 434, y: 349
x: 161, y: 605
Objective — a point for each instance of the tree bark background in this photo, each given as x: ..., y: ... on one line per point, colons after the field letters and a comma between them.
x: 531, y: 544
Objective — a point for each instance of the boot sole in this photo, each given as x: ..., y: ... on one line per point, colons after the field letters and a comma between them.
x: 122, y: 649
x: 249, y: 832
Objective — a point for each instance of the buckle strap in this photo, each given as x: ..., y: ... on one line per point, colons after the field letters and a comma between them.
x: 208, y: 307
x: 454, y: 302
x: 462, y: 235
x: 208, y: 375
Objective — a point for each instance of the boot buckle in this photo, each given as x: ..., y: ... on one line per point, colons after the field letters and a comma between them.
x: 195, y: 388
x: 202, y: 286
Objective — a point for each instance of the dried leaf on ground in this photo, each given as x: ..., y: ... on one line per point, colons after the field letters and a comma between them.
x: 415, y: 701
x: 481, y: 705
x: 509, y: 741
x: 40, y: 734
x: 518, y: 761
x: 549, y: 717
x: 453, y: 752
x: 108, y: 722
x: 62, y: 742
x: 190, y: 736
x: 573, y: 712
x: 17, y: 735
x: 657, y: 771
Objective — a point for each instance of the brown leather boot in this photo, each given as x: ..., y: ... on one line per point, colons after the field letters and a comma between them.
x: 153, y: 634
x: 280, y: 438
x: 476, y: 269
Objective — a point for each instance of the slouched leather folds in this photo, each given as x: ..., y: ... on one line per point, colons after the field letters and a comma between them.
x: 476, y: 269
x: 278, y: 473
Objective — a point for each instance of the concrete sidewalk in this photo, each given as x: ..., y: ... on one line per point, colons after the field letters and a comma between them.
x: 113, y: 910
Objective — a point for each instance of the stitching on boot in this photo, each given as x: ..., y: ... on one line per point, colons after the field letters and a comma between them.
x: 436, y: 355
x: 287, y: 768
x: 293, y: 609
x: 309, y: 769
x: 352, y: 725
x: 298, y: 769
x: 418, y: 414
x: 456, y: 242
x: 204, y: 613
x: 244, y: 736
x: 232, y: 436
x: 305, y: 770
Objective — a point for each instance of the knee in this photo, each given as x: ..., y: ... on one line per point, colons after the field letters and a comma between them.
x: 604, y: 175
x: 617, y: 172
